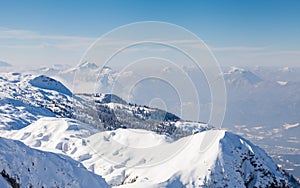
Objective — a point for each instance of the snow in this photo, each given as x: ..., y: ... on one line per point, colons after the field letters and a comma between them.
x: 29, y: 167
x: 88, y: 65
x: 150, y: 139
x: 45, y: 82
x: 135, y: 158
x: 285, y: 69
x: 241, y: 76
x: 247, y: 145
x: 288, y: 126
x: 21, y: 103
x: 282, y: 83
x: 24, y: 103
x: 4, y: 183
x: 121, y: 149
x: 52, y: 134
x: 254, y: 169
x: 234, y: 69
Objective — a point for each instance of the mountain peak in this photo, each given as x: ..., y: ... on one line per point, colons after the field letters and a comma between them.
x: 234, y: 69
x: 88, y: 65
x: 236, y: 74
x: 45, y: 82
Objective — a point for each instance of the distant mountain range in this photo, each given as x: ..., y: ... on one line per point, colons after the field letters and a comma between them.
x: 254, y: 96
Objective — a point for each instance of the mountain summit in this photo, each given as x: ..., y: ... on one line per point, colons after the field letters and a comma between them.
x: 236, y: 74
x: 88, y: 65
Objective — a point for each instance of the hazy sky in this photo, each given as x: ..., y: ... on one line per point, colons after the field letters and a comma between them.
x: 242, y: 33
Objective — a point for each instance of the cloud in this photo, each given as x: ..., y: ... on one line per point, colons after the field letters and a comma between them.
x: 23, y: 47
x: 12, y: 38
x: 238, y: 48
x: 280, y: 52
x: 6, y: 33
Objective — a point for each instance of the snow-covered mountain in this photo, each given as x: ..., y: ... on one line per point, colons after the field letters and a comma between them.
x: 26, y: 98
x: 252, y: 100
x: 240, y: 76
x: 22, y: 166
x: 45, y: 82
x: 87, y: 77
x: 127, y: 157
x: 128, y: 144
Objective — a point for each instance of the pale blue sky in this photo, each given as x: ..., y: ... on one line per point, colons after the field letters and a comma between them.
x: 240, y: 33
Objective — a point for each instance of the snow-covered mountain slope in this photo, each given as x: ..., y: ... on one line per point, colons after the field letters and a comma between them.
x: 26, y: 98
x: 241, y: 76
x: 45, y: 82
x: 131, y: 157
x: 114, y: 113
x: 4, y: 183
x: 52, y: 134
x: 22, y: 166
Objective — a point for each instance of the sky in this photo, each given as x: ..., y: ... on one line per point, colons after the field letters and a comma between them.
x: 240, y: 33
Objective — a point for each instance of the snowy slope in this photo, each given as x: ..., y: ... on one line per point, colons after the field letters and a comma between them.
x: 22, y: 166
x: 4, y: 183
x: 52, y: 134
x: 240, y: 76
x: 45, y: 82
x: 136, y: 157
x: 115, y: 113
x: 26, y: 98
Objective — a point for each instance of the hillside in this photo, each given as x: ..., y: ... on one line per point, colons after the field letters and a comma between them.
x: 22, y: 166
x: 134, y: 157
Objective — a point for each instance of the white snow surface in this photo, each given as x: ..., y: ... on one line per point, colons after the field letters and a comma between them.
x: 288, y: 126
x: 282, y: 83
x: 32, y: 168
x: 24, y: 98
x: 45, y: 82
x: 4, y: 183
x: 140, y: 158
